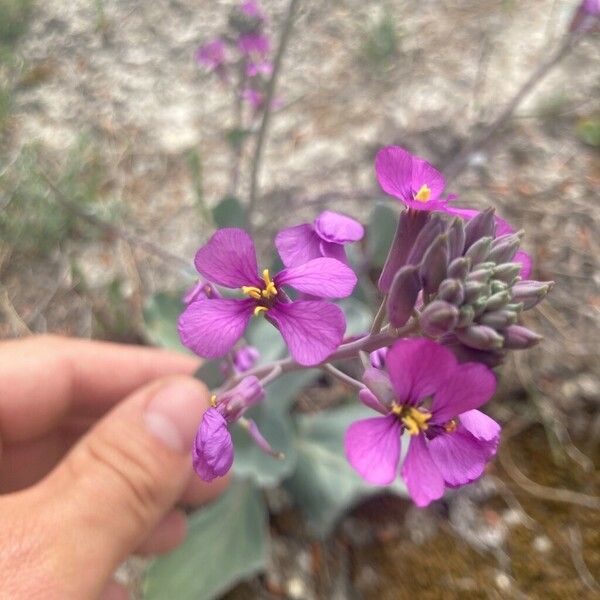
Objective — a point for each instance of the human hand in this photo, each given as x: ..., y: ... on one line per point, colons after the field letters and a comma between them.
x: 95, y: 443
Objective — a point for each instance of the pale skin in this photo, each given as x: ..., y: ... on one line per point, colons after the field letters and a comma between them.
x: 95, y: 464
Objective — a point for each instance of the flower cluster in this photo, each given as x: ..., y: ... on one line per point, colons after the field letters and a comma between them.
x: 455, y: 279
x: 244, y: 47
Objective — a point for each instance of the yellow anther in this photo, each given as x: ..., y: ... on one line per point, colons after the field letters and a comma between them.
x: 450, y: 426
x: 423, y: 194
x: 213, y: 400
x: 415, y: 420
x: 270, y: 289
x: 251, y: 291
x: 396, y: 409
x: 259, y: 309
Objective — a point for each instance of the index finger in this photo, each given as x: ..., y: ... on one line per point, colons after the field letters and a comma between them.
x: 42, y: 379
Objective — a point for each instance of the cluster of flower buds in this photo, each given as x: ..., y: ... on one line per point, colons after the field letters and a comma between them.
x: 245, y: 48
x: 465, y: 282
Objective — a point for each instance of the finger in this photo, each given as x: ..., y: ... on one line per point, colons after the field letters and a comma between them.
x: 114, y: 591
x: 125, y: 475
x: 167, y: 535
x: 44, y: 378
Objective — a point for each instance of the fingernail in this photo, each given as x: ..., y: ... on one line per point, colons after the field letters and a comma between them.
x: 174, y: 413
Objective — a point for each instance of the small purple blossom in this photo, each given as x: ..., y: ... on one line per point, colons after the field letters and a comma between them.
x: 200, y: 290
x: 260, y: 67
x: 434, y: 399
x: 312, y: 329
x: 212, y: 56
x: 327, y: 237
x: 245, y: 358
x: 502, y: 228
x: 254, y: 45
x: 253, y: 10
x: 377, y: 358
x: 586, y: 16
x: 409, y: 178
x: 212, y: 454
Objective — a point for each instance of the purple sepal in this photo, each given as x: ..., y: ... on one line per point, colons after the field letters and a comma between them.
x: 212, y: 453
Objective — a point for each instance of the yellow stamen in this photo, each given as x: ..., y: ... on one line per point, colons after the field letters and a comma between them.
x: 423, y: 194
x: 259, y: 309
x: 251, y: 291
x: 414, y: 420
x: 213, y: 400
x: 270, y: 289
x: 450, y: 426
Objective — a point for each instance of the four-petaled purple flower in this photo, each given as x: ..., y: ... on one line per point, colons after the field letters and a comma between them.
x: 502, y: 228
x: 409, y: 178
x: 434, y: 399
x: 212, y: 454
x: 212, y: 56
x: 325, y: 237
x: 312, y: 329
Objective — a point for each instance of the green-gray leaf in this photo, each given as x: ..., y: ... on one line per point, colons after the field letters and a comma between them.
x: 229, y: 213
x: 161, y: 312
x: 226, y: 543
x: 324, y: 485
x: 382, y: 226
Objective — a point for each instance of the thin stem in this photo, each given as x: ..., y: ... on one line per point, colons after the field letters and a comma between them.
x: 238, y: 116
x: 379, y: 317
x: 268, y: 104
x: 274, y: 374
x: 460, y: 160
x: 368, y: 343
x: 344, y: 377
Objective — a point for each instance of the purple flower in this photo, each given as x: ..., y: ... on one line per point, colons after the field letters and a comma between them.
x: 409, y: 178
x: 586, y: 16
x: 325, y: 237
x: 502, y: 228
x: 260, y: 67
x: 212, y: 454
x: 377, y: 358
x: 312, y: 329
x: 212, y: 56
x: 254, y: 44
x: 253, y: 10
x: 245, y: 358
x: 450, y: 441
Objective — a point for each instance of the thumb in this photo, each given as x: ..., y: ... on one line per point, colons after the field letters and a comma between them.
x: 127, y: 472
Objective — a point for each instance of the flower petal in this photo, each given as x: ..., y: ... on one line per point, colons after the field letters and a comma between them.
x: 297, y: 245
x: 210, y: 328
x: 459, y: 457
x: 417, y: 367
x: 422, y: 477
x: 212, y: 454
x: 393, y: 167
x: 337, y: 228
x: 373, y: 448
x: 483, y: 428
x: 333, y: 250
x: 229, y: 259
x: 321, y: 277
x: 468, y: 387
x: 526, y: 262
x: 423, y: 173
x: 312, y: 329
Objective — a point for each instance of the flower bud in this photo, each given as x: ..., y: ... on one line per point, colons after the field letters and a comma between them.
x: 517, y: 337
x: 456, y: 239
x: 432, y: 229
x: 491, y: 358
x: 498, y: 319
x: 505, y: 247
x: 481, y: 225
x: 410, y: 225
x: 435, y: 264
x: 497, y: 286
x: 377, y: 358
x: 465, y: 316
x: 507, y: 271
x: 483, y: 275
x: 479, y: 251
x: 379, y: 383
x: 475, y: 289
x: 245, y: 358
x: 451, y: 290
x: 479, y: 305
x: 438, y: 317
x: 234, y: 402
x: 403, y: 295
x: 459, y: 267
x: 531, y: 293
x: 480, y: 337
x: 497, y: 301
